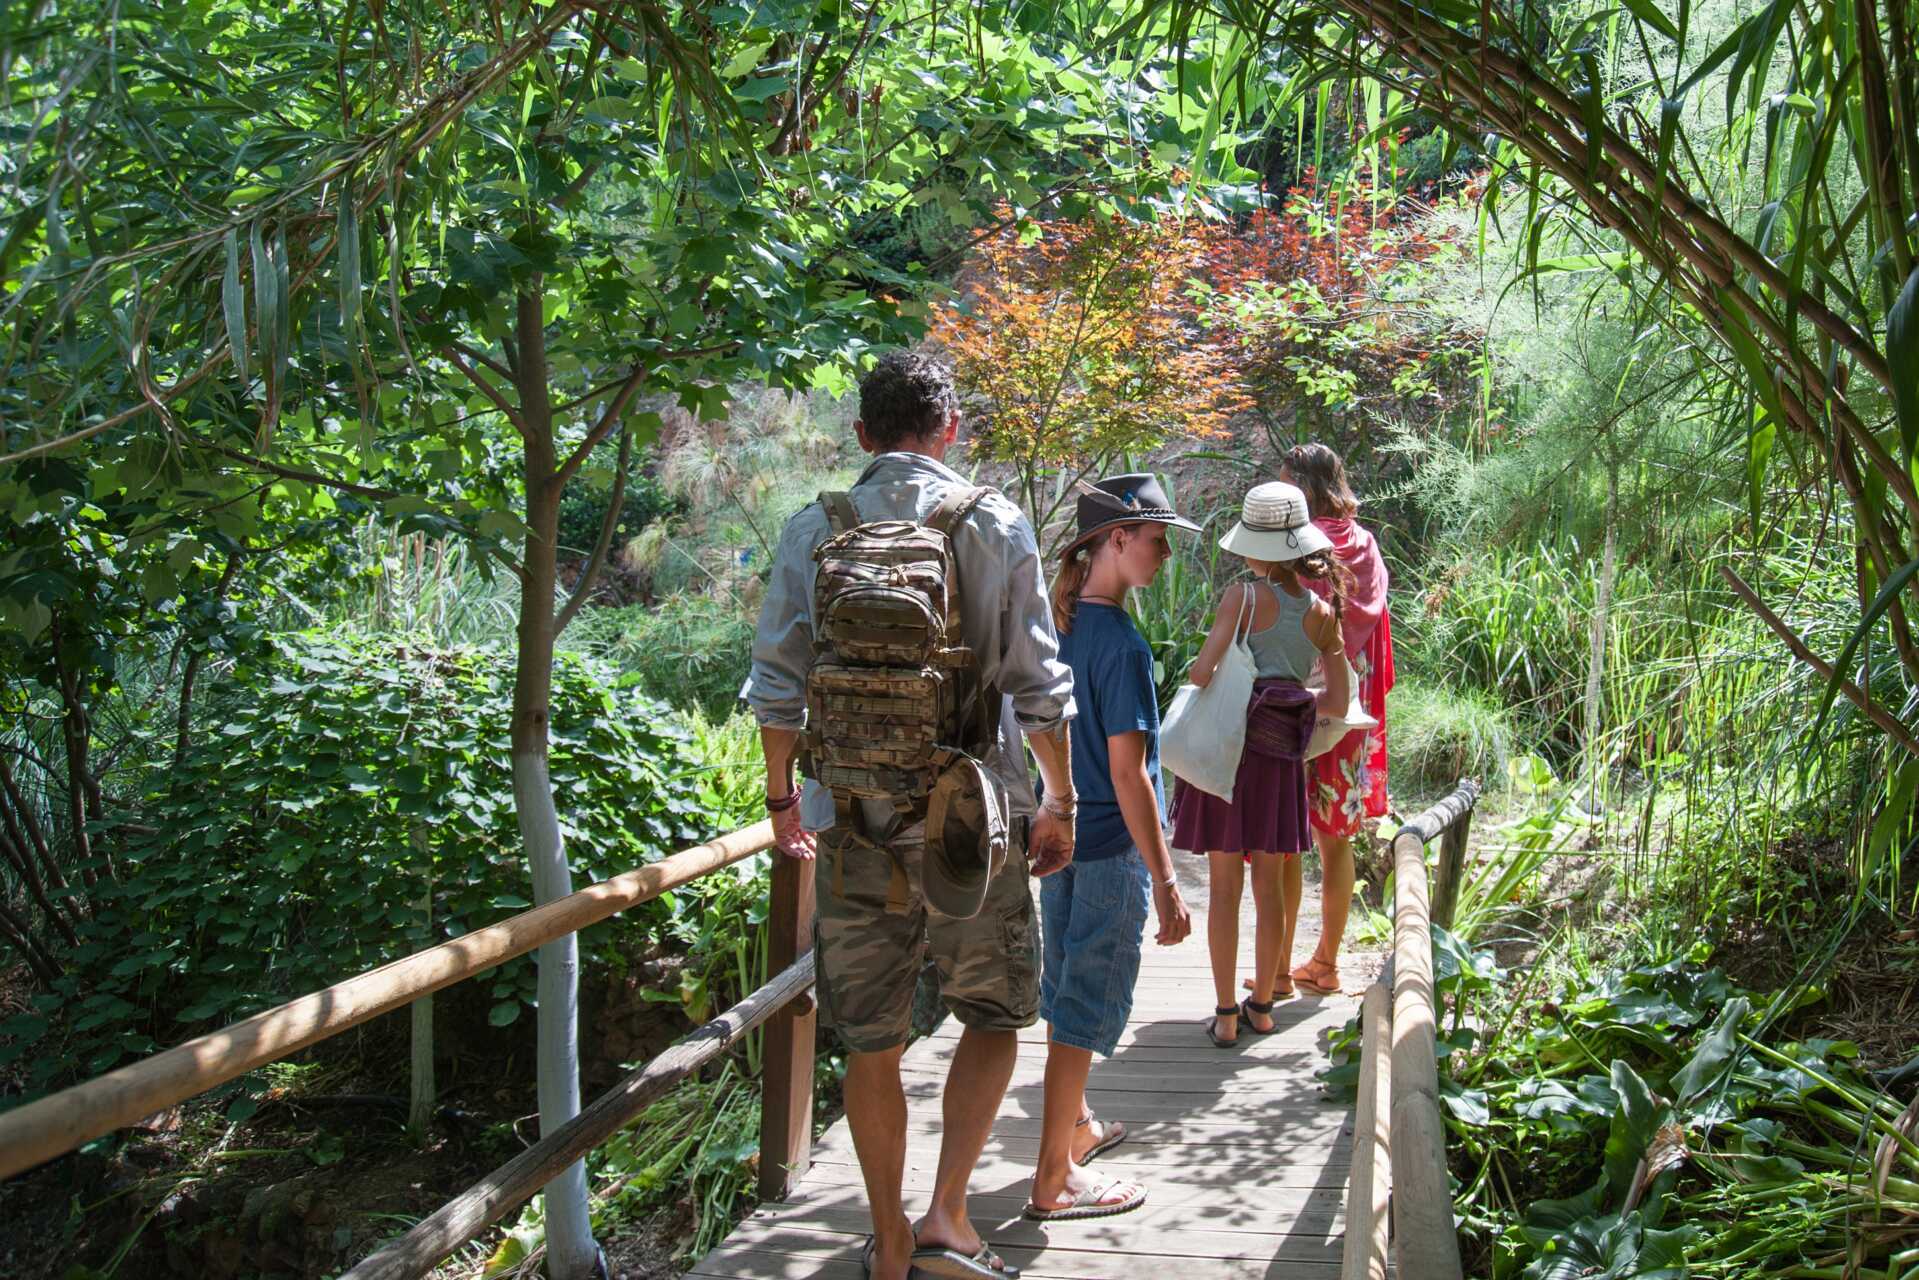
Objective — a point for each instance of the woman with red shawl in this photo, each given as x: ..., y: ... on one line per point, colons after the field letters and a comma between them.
x: 1348, y: 783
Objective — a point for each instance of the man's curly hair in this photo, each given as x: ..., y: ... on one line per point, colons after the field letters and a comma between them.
x: 907, y: 397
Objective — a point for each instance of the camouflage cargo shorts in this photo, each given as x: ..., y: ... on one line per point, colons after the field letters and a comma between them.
x: 871, y: 948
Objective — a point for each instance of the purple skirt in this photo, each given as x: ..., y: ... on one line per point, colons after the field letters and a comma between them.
x: 1269, y: 812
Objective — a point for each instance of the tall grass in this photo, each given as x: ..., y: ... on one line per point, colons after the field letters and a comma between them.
x: 409, y: 584
x: 1705, y: 719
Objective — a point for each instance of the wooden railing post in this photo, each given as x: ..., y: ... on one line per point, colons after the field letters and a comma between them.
x: 1452, y: 866
x: 786, y: 1101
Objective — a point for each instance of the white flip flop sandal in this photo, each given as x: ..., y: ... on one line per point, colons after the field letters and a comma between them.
x: 1092, y: 1203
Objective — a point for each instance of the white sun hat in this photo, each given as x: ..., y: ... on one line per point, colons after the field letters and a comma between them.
x: 1274, y: 525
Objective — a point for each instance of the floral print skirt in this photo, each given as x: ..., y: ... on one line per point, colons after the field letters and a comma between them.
x: 1348, y: 783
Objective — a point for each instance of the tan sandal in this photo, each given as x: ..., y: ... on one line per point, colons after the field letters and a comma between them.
x: 1318, y: 978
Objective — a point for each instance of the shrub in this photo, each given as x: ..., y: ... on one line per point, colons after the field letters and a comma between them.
x: 583, y: 508
x: 1435, y: 736
x: 692, y: 650
x: 352, y: 803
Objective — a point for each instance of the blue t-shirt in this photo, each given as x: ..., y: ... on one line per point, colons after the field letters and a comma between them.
x: 1113, y: 686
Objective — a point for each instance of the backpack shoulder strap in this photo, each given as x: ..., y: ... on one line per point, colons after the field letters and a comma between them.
x: 955, y: 507
x: 839, y: 510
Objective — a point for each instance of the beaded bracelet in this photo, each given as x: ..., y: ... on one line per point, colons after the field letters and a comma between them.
x: 786, y: 802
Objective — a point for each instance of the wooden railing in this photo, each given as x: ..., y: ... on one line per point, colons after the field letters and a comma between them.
x: 1399, y: 1135
x: 51, y: 1126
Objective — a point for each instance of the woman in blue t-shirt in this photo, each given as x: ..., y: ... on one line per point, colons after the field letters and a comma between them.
x: 1093, y: 911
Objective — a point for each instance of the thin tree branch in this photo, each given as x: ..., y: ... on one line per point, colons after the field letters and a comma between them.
x: 183, y: 722
x: 17, y: 932
x: 487, y: 389
x: 308, y: 477
x: 480, y: 357
x: 591, y: 570
x: 609, y: 419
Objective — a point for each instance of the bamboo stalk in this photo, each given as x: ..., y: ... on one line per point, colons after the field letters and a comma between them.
x: 1854, y: 694
x: 44, y: 1129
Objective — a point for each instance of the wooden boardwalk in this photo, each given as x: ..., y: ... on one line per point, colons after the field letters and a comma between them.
x: 1244, y: 1160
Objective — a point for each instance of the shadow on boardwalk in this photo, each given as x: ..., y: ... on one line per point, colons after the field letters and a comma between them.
x: 1245, y: 1161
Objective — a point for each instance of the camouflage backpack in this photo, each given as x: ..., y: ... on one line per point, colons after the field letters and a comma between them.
x: 894, y: 695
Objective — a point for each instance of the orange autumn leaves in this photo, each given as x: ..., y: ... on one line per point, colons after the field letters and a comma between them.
x: 1078, y: 341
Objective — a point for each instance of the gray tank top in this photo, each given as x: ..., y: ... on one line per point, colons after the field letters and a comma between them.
x: 1283, y: 649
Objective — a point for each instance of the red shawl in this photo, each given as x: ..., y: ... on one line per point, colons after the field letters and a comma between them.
x: 1365, y: 625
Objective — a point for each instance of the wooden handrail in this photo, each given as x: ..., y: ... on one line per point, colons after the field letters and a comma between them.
x: 513, y: 1183
x: 50, y: 1126
x: 1368, y: 1193
x: 1425, y: 1244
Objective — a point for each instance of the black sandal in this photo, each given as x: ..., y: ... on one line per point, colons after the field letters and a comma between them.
x: 1213, y: 1035
x: 1248, y: 1007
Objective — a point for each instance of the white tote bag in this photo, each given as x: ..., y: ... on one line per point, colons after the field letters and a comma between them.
x: 1204, y: 732
x: 1328, y: 729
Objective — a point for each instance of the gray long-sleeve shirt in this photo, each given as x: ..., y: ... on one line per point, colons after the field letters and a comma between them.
x: 1005, y: 617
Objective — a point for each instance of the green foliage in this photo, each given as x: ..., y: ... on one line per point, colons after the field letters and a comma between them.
x: 696, y: 1149
x: 691, y: 650
x: 1645, y: 1097
x: 583, y: 510
x: 350, y: 804
x: 1440, y: 733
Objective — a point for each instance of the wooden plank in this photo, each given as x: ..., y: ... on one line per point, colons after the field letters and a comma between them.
x: 62, y: 1121
x: 1221, y: 1137
x: 1130, y: 1104
x: 1291, y: 1078
x: 730, y: 1262
x: 1011, y: 1177
x: 786, y: 1100
x: 1170, y: 1206
x: 1138, y: 1232
x: 1303, y: 1258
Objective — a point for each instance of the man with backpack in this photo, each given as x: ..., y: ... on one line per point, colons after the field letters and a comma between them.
x: 905, y: 643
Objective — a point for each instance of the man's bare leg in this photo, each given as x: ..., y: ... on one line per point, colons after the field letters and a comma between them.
x: 876, y: 1113
x: 975, y: 1084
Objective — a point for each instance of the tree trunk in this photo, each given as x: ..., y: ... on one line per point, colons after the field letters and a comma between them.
x: 1602, y: 611
x: 76, y: 736
x: 420, y: 1091
x: 17, y: 932
x: 571, y: 1253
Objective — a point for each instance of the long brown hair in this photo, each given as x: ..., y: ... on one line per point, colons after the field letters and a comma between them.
x: 1075, y: 563
x: 1322, y: 566
x: 1318, y: 471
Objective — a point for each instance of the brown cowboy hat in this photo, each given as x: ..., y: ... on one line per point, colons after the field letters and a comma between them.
x: 1127, y: 499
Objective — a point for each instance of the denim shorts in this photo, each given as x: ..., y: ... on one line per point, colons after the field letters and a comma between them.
x: 1092, y: 921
